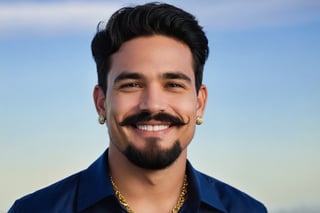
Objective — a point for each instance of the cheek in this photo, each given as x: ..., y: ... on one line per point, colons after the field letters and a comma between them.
x: 117, y: 107
x: 187, y: 108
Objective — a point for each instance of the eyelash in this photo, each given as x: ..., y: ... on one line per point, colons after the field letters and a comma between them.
x: 174, y: 85
x: 169, y: 85
x: 130, y: 85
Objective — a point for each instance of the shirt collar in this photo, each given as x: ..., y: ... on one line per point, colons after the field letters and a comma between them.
x: 95, y: 185
x: 204, y: 187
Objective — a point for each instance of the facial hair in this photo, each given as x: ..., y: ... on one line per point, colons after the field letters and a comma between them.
x: 152, y: 157
x: 147, y: 116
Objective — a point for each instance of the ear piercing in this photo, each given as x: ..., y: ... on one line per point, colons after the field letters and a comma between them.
x: 199, y: 120
x: 101, y: 119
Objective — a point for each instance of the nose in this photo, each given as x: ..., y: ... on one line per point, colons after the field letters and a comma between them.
x: 153, y: 99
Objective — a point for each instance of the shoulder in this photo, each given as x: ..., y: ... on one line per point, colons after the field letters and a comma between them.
x: 232, y: 199
x: 51, y: 198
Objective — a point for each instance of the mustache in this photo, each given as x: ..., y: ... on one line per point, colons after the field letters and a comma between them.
x: 147, y: 116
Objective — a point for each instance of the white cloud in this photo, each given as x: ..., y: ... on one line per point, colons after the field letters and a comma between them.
x: 77, y: 16
x: 53, y: 17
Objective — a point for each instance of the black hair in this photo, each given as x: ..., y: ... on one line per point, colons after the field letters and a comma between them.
x: 146, y: 20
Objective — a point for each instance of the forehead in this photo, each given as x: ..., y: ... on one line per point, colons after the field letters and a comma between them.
x: 150, y: 56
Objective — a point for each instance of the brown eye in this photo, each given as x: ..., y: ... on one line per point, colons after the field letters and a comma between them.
x: 174, y: 85
x: 130, y: 85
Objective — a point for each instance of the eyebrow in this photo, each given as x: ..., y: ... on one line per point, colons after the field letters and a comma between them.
x: 127, y: 75
x: 176, y: 75
x: 168, y: 75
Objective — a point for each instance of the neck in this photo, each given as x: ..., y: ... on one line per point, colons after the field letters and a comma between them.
x: 147, y: 190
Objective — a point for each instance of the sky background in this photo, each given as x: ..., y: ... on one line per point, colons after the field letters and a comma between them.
x: 261, y: 128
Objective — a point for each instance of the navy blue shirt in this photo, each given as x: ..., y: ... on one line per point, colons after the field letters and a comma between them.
x: 90, y: 191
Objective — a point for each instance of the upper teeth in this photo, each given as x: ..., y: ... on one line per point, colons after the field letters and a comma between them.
x: 152, y: 127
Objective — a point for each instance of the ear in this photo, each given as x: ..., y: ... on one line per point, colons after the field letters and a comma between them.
x: 202, y: 100
x: 99, y: 100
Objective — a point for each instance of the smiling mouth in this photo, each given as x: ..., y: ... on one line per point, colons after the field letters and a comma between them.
x: 147, y: 122
x: 152, y: 128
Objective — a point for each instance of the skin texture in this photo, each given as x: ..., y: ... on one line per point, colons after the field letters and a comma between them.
x: 150, y: 75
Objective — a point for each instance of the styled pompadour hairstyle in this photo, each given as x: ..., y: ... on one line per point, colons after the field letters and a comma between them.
x: 147, y: 20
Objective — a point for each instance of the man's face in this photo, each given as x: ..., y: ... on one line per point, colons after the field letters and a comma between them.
x: 151, y: 102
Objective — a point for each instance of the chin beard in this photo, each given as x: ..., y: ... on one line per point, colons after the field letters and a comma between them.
x: 152, y: 157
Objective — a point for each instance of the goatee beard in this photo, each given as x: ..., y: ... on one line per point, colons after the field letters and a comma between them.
x: 153, y: 157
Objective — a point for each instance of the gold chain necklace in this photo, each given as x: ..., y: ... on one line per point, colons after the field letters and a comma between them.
x: 176, y: 208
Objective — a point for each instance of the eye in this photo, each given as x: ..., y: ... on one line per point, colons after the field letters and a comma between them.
x: 174, y: 85
x: 128, y: 86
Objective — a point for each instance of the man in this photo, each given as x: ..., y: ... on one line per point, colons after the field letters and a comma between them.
x: 150, y: 60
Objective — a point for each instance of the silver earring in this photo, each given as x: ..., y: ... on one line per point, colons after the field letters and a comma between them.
x: 101, y: 119
x: 199, y: 120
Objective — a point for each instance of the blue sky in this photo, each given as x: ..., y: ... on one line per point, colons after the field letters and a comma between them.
x: 261, y: 131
